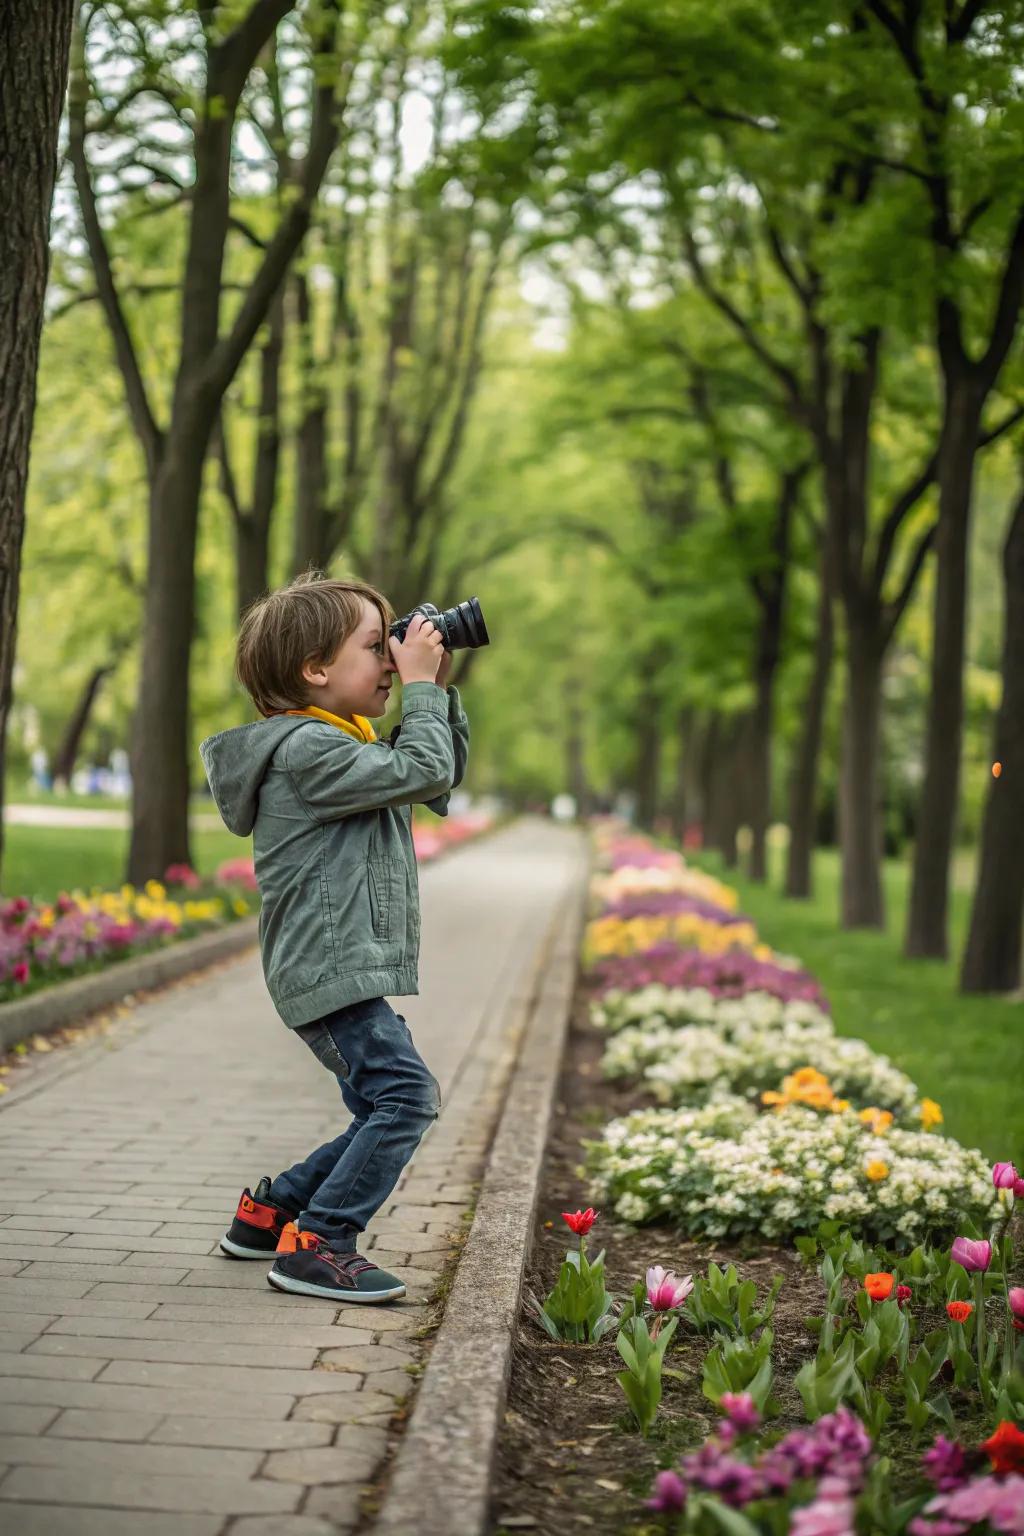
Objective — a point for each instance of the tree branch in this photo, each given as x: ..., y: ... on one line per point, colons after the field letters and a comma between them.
x: 1011, y: 294
x: 894, y: 611
x: 149, y: 435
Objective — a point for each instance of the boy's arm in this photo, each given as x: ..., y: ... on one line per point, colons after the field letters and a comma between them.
x: 459, y: 724
x: 337, y: 776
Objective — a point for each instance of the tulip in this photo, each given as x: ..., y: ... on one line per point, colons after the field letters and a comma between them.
x: 1015, y: 1299
x: 879, y: 1287
x: 975, y: 1257
x: 1006, y: 1449
x: 1018, y: 1189
x: 1004, y: 1175
x: 959, y: 1311
x: 903, y: 1293
x: 580, y: 1222
x: 664, y: 1290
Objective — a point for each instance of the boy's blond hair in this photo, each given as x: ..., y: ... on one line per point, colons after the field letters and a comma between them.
x: 308, y: 620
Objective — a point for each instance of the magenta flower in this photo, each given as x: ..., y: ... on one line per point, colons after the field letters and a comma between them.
x: 945, y: 1464
x: 1015, y: 1300
x: 974, y: 1256
x: 20, y: 972
x: 665, y: 1290
x: 669, y: 1494
x: 741, y: 1410
x: 1004, y: 1175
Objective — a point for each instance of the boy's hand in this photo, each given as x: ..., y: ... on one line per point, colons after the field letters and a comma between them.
x: 417, y: 656
x: 444, y: 669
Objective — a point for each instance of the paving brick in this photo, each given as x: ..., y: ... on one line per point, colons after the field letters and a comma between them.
x: 15, y: 1293
x: 293, y: 1335
x: 257, y: 1434
x: 197, y: 1352
x: 342, y: 1506
x: 104, y: 1424
x: 169, y: 1460
x: 330, y: 1464
x: 100, y: 1226
x: 43, y: 1365
x: 289, y: 1525
x: 11, y: 1266
x: 397, y: 1383
x: 25, y: 1418
x: 185, y: 1245
x: 366, y: 1358
x: 344, y: 1408
x: 126, y: 1399
x: 98, y: 1267
x: 72, y: 1520
x: 232, y: 1380
x: 128, y: 1490
x: 73, y: 1306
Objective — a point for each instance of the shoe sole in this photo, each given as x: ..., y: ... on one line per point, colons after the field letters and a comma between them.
x: 306, y: 1288
x: 236, y: 1251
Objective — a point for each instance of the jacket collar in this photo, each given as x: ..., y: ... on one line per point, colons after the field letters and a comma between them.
x: 358, y: 726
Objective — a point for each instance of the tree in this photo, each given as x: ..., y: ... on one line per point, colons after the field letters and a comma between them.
x: 225, y: 44
x: 34, y: 42
x: 992, y: 958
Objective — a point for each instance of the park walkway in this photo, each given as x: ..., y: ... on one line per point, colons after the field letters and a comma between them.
x: 150, y: 1386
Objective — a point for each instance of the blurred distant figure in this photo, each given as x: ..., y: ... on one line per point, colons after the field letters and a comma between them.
x: 563, y: 807
x: 39, y: 762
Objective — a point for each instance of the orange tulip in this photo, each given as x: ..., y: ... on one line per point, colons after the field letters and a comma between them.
x: 959, y: 1311
x: 879, y: 1287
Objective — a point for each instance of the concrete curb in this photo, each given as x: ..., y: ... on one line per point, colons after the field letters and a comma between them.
x: 441, y: 1475
x: 75, y: 999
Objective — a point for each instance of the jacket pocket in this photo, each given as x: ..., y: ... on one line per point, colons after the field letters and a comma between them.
x: 386, y: 883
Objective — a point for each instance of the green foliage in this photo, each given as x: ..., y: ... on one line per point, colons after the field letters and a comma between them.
x: 578, y: 1309
x: 721, y: 1303
x: 740, y: 1365
x: 644, y: 1357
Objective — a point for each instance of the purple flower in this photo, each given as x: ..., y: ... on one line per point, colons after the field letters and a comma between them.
x: 732, y: 974
x: 669, y: 1494
x: 945, y: 1464
x: 974, y: 1256
x: 668, y: 904
x: 741, y: 1410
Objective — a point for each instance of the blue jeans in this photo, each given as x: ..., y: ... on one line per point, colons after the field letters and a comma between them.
x: 393, y: 1100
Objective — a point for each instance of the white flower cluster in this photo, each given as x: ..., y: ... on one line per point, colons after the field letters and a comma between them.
x: 657, y: 1004
x: 722, y: 1170
x: 633, y: 880
x: 695, y: 1063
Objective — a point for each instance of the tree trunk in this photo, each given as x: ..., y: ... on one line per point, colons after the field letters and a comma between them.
x: 67, y: 753
x: 992, y: 959
x: 252, y: 558
x: 859, y: 811
x: 681, y: 790
x: 575, y: 760
x: 647, y: 774
x: 35, y: 37
x: 160, y: 743
x: 723, y: 804
x: 759, y: 764
x: 310, y: 532
x: 927, y: 919
x: 803, y: 783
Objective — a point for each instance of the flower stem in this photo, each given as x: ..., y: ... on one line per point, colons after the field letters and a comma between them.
x: 981, y: 1337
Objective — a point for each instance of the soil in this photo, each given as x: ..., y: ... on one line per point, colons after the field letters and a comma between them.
x: 569, y: 1456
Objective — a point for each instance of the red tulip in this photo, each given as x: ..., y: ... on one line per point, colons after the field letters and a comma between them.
x: 580, y: 1222
x: 959, y: 1311
x: 903, y: 1293
x: 1006, y: 1449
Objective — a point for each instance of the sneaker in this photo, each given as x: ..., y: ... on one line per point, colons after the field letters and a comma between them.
x: 257, y: 1227
x: 307, y: 1266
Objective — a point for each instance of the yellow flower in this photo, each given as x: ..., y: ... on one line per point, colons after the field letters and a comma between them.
x: 239, y: 906
x: 876, y: 1170
x: 877, y: 1121
x: 155, y: 889
x: 931, y: 1114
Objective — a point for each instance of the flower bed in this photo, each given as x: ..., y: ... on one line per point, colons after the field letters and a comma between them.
x: 776, y: 1123
x: 735, y: 1389
x: 43, y: 943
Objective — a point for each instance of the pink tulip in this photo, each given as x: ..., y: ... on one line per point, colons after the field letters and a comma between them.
x: 1004, y: 1175
x: 1018, y: 1189
x: 1015, y: 1298
x: 741, y: 1410
x: 665, y: 1290
x: 669, y: 1494
x: 973, y: 1256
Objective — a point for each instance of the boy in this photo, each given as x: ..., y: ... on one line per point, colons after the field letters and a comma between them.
x: 329, y: 807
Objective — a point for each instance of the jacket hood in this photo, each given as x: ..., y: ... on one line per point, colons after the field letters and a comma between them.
x: 236, y: 762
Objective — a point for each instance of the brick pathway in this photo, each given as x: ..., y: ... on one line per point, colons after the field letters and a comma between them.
x: 148, y: 1385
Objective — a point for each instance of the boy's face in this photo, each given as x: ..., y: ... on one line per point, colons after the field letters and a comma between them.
x: 358, y: 679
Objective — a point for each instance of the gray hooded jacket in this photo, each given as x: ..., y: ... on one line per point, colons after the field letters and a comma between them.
x: 331, y: 821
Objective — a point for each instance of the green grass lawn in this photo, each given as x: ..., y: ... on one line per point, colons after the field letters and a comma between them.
x: 966, y: 1052
x: 43, y: 861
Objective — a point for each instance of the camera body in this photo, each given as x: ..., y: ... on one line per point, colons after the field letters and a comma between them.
x: 462, y: 628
